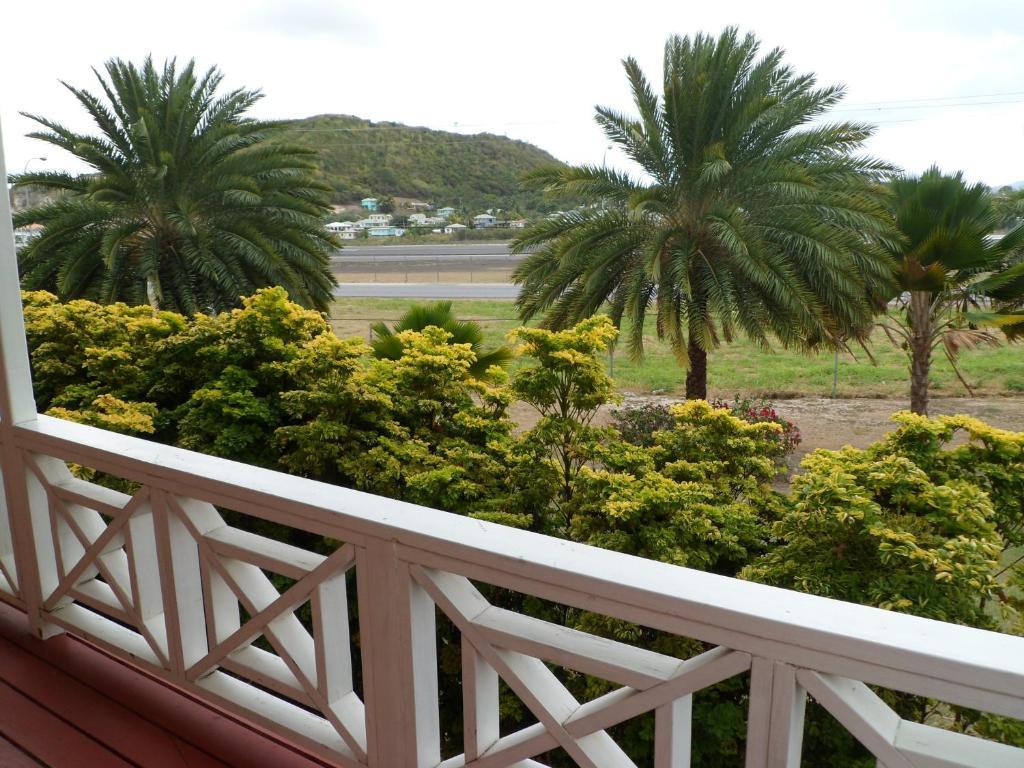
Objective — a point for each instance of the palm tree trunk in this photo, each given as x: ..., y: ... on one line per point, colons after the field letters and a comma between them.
x: 697, y: 373
x: 920, y: 321
x: 153, y: 290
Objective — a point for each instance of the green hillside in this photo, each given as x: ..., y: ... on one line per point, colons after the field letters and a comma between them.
x: 470, y: 172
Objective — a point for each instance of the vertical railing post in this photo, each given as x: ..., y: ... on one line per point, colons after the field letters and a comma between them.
x: 399, y: 648
x: 775, y: 721
x: 17, y: 406
x: 181, y: 586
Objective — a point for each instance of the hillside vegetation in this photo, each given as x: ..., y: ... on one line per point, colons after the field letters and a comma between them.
x: 361, y: 158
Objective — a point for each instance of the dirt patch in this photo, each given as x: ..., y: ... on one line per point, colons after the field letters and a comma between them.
x: 827, y: 423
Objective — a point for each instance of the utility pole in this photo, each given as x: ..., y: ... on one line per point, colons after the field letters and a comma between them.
x: 835, y: 373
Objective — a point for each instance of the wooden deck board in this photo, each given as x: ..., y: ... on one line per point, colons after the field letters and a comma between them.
x: 119, y: 729
x: 38, y: 732
x: 11, y: 756
x: 65, y: 704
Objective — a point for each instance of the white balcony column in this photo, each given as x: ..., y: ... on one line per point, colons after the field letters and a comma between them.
x: 399, y: 647
x: 17, y: 406
x: 775, y: 719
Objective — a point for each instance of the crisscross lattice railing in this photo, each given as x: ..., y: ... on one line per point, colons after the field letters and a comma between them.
x: 170, y: 574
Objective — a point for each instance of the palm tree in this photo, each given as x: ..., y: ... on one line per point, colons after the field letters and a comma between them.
x: 1009, y: 205
x: 190, y: 204
x: 749, y: 217
x: 951, y: 267
x: 387, y: 345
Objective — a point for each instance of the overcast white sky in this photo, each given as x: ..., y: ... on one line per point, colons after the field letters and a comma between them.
x: 534, y: 70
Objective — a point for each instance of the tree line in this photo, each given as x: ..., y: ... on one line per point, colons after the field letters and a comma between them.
x: 750, y: 214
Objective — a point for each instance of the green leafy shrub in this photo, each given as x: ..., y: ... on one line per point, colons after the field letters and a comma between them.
x: 713, y: 446
x: 919, y: 522
x: 868, y: 527
x: 637, y: 424
x: 567, y: 385
x: 81, y: 350
x: 951, y: 448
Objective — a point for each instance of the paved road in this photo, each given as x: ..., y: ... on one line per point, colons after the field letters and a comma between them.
x: 428, y: 290
x: 404, y: 252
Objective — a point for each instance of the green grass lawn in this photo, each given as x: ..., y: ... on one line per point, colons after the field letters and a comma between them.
x: 740, y: 368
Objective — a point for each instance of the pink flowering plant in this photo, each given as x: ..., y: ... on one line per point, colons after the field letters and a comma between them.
x: 757, y: 411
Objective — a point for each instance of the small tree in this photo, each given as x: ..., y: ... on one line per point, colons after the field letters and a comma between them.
x: 947, y: 261
x: 567, y: 386
x: 387, y: 342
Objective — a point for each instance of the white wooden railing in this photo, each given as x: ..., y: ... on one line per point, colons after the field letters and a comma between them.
x: 159, y: 577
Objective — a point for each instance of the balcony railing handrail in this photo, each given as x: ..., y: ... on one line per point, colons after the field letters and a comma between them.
x: 859, y: 641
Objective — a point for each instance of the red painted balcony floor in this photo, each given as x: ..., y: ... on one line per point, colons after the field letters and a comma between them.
x: 66, y: 704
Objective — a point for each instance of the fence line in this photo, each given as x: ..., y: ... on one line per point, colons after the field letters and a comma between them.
x: 472, y: 268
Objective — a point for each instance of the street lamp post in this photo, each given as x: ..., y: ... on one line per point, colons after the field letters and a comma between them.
x: 25, y: 170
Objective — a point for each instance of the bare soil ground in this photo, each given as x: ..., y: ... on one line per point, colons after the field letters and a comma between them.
x: 827, y: 423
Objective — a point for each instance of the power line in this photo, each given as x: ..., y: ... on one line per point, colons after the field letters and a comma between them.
x: 927, y: 106
x: 477, y: 139
x: 433, y: 141
x: 936, y: 98
x: 924, y: 103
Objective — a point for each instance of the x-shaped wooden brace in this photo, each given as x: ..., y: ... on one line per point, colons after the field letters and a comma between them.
x: 899, y: 743
x: 272, y: 615
x: 578, y: 729
x: 100, y: 548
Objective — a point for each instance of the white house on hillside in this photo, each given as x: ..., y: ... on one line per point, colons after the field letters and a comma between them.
x: 446, y: 212
x: 483, y: 220
x: 422, y: 220
x: 451, y: 229
x: 374, y: 220
x: 346, y: 230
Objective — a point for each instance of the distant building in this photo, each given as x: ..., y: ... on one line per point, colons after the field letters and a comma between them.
x: 369, y: 203
x: 418, y: 205
x: 517, y: 224
x: 451, y: 229
x: 422, y: 220
x: 24, y: 235
x: 447, y: 212
x: 346, y: 230
x: 374, y: 220
x: 385, y: 232
x: 483, y: 220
